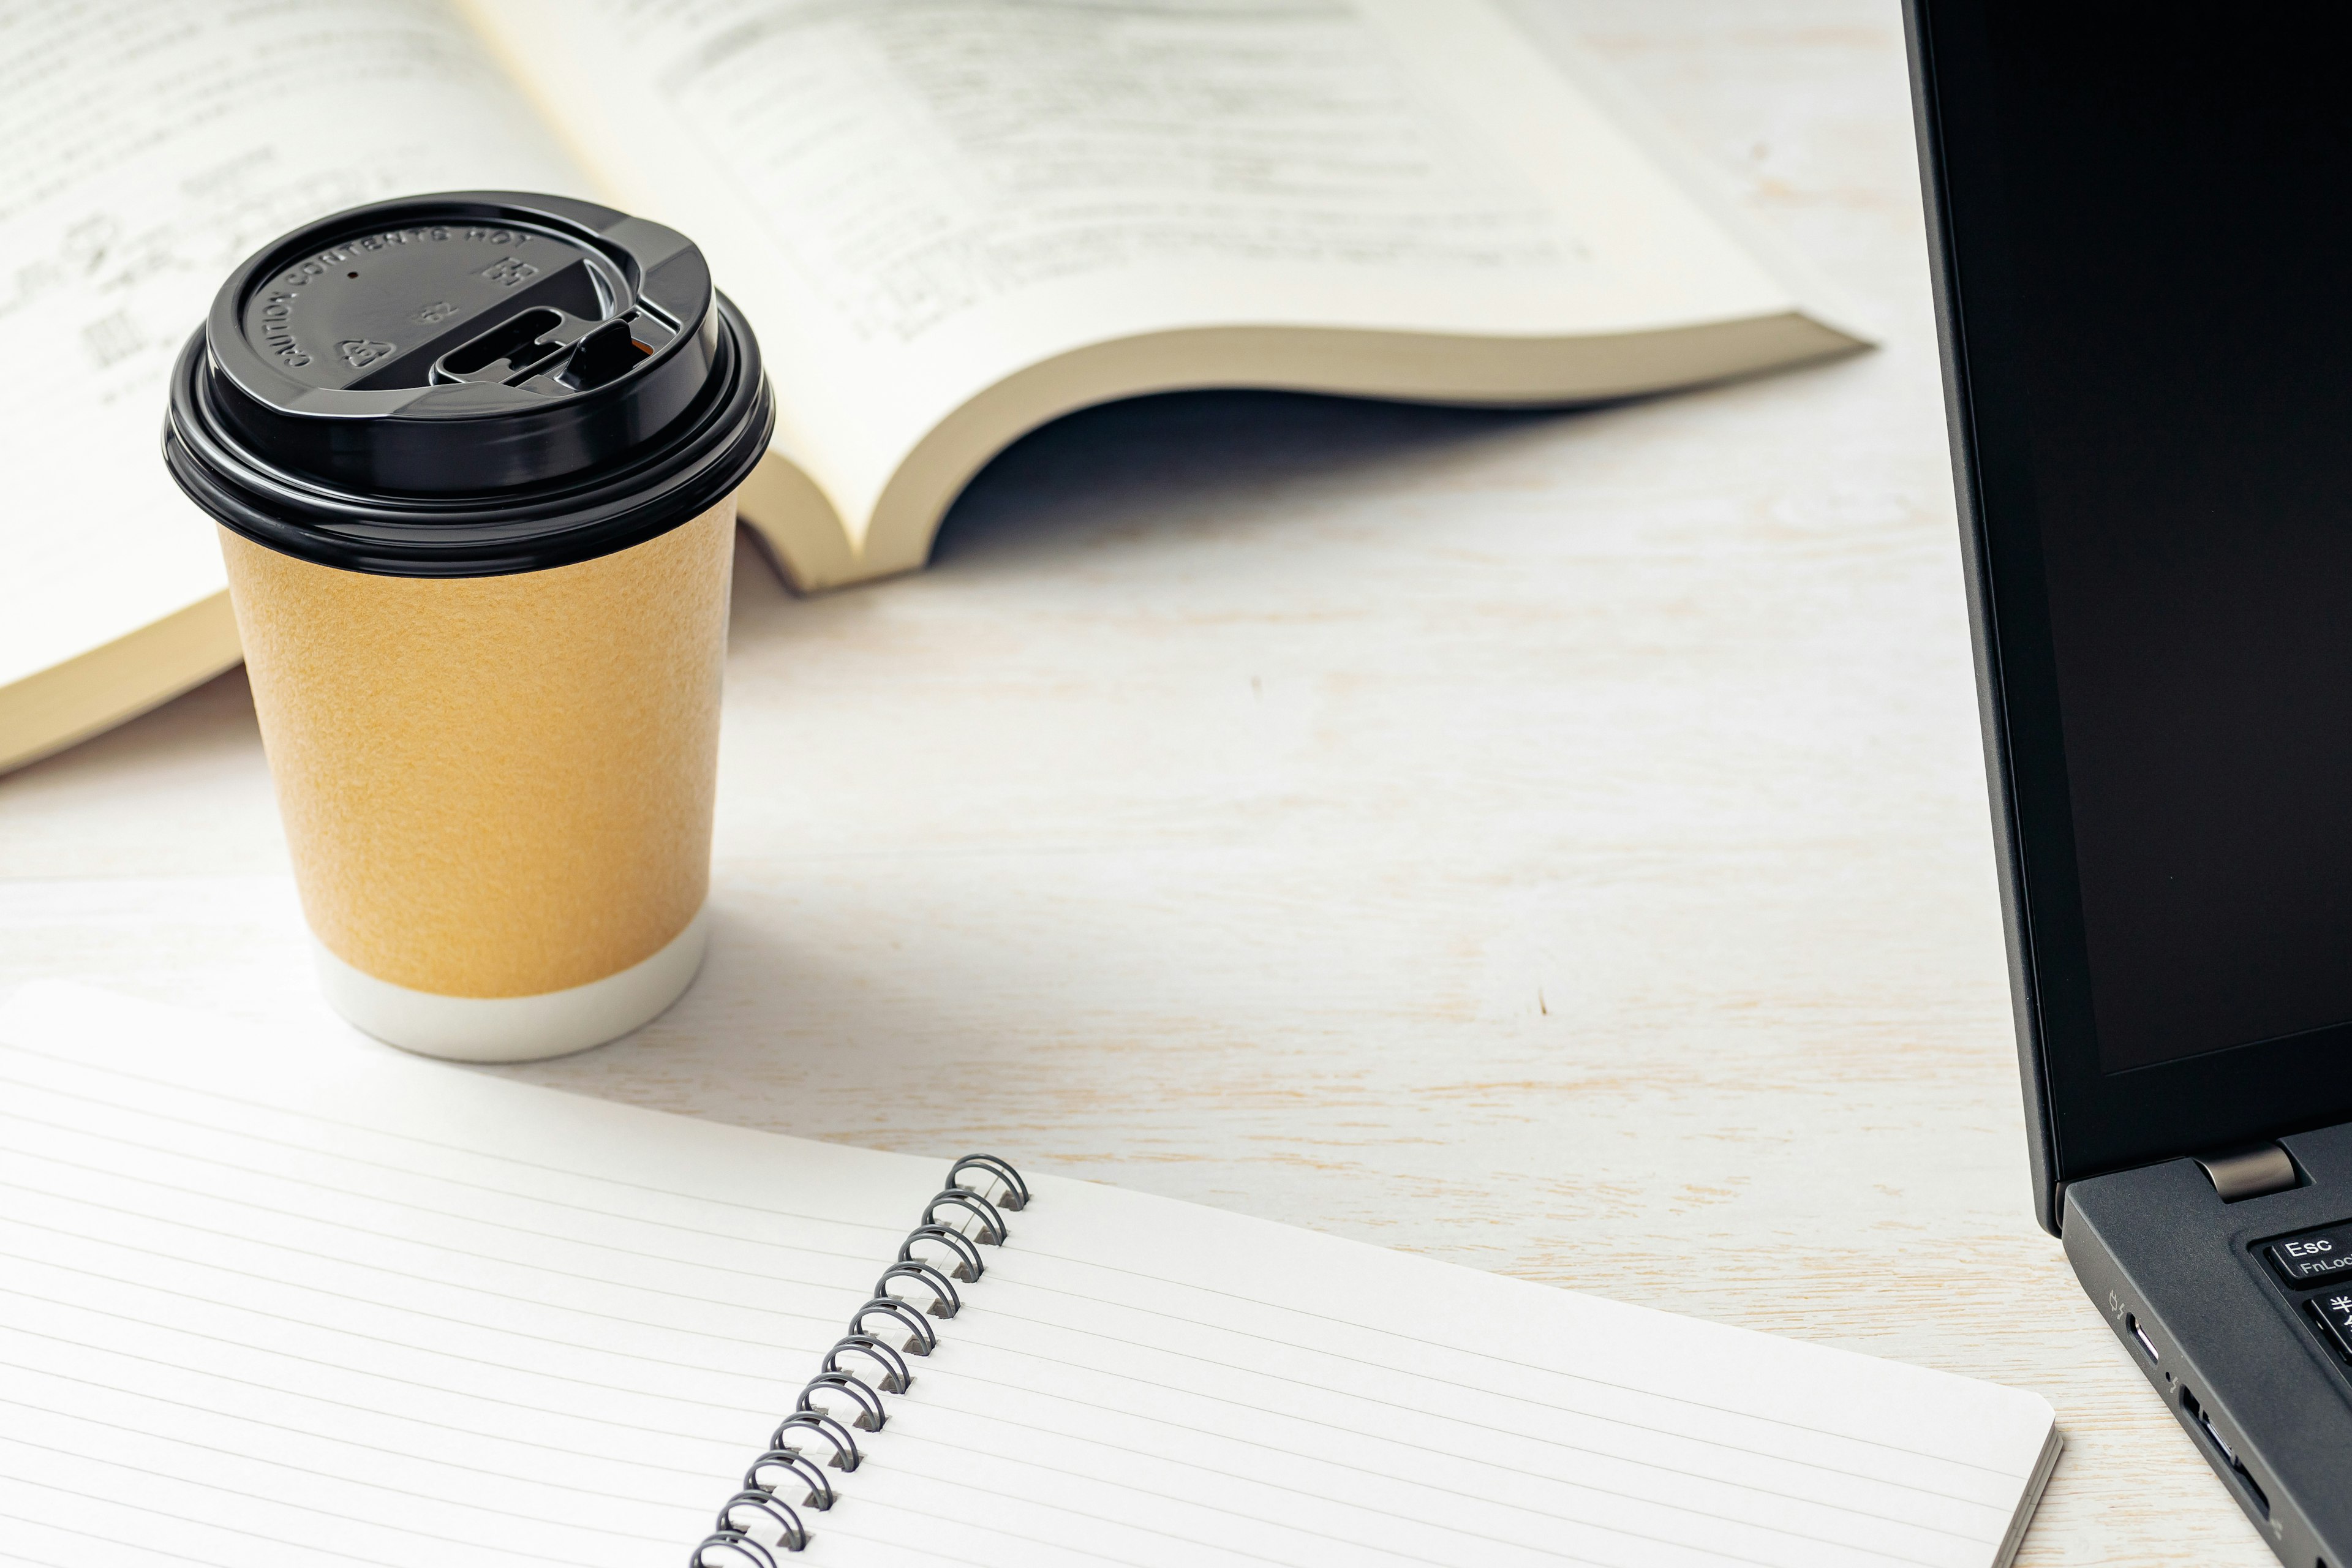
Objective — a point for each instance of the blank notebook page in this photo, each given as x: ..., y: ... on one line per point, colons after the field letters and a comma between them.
x: 326, y: 1306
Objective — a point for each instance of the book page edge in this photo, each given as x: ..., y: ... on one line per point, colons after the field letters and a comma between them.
x: 94, y: 690
x: 1477, y: 371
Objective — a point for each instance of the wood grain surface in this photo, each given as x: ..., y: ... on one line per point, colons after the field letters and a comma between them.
x: 1556, y: 843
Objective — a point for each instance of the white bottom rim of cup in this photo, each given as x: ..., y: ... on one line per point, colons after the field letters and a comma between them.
x: 515, y: 1028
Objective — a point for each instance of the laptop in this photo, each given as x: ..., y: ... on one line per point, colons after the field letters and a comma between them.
x: 2137, y: 218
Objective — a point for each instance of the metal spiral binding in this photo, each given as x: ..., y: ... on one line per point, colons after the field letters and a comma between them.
x: 862, y: 1366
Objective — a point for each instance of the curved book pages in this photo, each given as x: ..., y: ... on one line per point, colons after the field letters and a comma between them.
x: 949, y: 220
x: 268, y: 1304
x: 144, y: 153
x: 953, y: 222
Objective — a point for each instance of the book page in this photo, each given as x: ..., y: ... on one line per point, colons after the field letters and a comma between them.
x: 147, y: 146
x: 335, y: 1306
x: 918, y: 199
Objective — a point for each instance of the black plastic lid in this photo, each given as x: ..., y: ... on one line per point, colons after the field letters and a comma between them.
x: 466, y: 385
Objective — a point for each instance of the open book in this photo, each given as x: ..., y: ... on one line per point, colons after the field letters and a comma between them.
x: 949, y: 220
x: 263, y: 1306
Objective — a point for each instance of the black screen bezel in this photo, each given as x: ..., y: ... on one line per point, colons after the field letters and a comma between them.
x: 2083, y: 1120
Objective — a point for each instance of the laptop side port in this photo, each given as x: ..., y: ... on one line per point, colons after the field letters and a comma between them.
x: 2203, y: 1424
x: 2139, y: 1336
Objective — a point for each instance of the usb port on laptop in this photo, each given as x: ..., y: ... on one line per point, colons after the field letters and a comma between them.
x: 2212, y: 1435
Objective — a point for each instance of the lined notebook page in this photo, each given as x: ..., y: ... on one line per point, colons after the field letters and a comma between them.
x: 1200, y: 1387
x: 348, y: 1308
x: 332, y: 1306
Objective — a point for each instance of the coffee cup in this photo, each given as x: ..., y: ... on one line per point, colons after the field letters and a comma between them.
x: 472, y: 459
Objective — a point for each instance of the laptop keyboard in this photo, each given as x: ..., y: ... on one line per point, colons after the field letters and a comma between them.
x: 2314, y: 1260
x: 2333, y: 1311
x: 2314, y: 1257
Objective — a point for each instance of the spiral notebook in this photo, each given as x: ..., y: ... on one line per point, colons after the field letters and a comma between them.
x: 263, y: 1305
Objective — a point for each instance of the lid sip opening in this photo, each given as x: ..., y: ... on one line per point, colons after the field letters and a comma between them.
x: 519, y: 319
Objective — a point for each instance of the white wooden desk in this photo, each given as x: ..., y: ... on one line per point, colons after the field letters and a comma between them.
x: 1554, y: 843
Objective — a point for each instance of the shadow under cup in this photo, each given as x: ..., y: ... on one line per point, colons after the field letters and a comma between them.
x: 480, y: 552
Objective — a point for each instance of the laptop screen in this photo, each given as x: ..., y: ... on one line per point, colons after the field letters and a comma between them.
x: 2180, y: 277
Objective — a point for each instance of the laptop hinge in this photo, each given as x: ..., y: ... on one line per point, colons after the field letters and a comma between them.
x: 2250, y: 1173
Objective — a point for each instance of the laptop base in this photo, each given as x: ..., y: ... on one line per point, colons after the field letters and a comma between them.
x: 2248, y: 1359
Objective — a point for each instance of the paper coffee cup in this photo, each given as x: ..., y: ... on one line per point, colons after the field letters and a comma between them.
x: 473, y: 458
